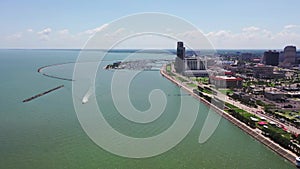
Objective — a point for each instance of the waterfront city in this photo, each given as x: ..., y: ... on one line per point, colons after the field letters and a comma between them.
x: 150, y: 84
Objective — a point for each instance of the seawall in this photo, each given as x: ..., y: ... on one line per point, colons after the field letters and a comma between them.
x: 266, y: 141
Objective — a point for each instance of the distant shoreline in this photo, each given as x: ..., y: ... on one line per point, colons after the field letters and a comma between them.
x: 77, y: 49
x: 241, y: 49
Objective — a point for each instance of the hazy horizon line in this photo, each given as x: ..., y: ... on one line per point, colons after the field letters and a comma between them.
x: 267, y: 49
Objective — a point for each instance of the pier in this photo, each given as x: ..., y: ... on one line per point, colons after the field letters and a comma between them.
x: 42, y: 94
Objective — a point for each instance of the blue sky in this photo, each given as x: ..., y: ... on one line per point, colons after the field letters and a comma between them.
x: 255, y: 23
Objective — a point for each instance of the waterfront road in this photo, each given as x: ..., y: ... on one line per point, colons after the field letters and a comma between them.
x: 260, y: 112
x: 255, y: 133
x: 255, y: 111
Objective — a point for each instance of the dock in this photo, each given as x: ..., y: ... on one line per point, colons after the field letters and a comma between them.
x: 42, y: 94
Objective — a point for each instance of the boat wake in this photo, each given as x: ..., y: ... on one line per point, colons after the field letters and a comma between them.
x: 88, y: 94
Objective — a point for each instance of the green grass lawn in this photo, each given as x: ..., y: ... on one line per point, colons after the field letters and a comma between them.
x: 288, y: 114
x: 168, y: 68
x: 207, y: 91
x: 225, y: 91
x: 241, y: 111
x: 192, y: 85
x: 203, y: 80
x: 230, y: 106
x: 248, y: 115
x: 181, y: 79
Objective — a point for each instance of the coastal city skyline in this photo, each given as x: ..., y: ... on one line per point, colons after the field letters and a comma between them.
x: 227, y: 24
x: 150, y: 84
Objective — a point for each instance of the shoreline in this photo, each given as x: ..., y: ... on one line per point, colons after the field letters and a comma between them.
x: 259, y: 137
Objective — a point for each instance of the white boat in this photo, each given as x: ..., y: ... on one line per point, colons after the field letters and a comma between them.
x: 86, y: 97
x: 85, y: 100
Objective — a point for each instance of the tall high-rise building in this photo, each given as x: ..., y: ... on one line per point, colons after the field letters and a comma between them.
x: 180, y: 50
x: 179, y: 60
x: 281, y: 56
x: 189, y: 66
x: 298, y: 57
x: 271, y: 58
x: 289, y: 55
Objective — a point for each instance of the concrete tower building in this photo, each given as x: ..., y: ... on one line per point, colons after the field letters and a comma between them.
x: 289, y: 55
x: 180, y: 50
x: 271, y: 58
x: 189, y: 66
x: 179, y: 61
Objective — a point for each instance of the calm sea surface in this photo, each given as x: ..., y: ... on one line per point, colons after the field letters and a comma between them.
x: 45, y: 133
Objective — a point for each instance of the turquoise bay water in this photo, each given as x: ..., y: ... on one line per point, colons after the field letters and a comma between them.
x: 45, y: 133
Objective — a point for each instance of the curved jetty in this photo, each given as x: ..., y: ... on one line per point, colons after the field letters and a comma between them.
x: 51, y: 76
x: 42, y: 94
x: 56, y: 77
